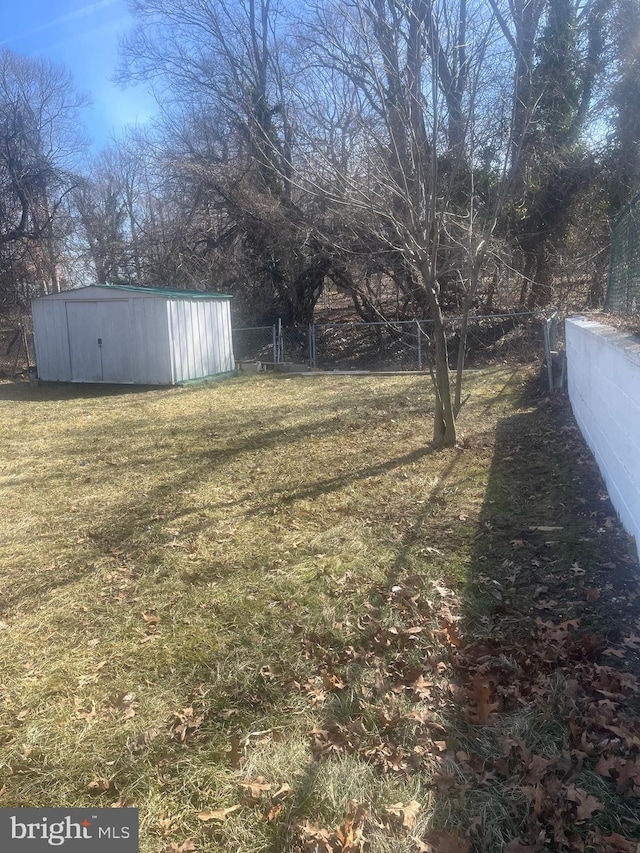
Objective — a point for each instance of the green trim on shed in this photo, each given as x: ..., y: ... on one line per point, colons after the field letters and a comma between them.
x: 166, y: 292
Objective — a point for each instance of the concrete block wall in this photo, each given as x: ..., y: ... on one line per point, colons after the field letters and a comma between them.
x: 604, y: 388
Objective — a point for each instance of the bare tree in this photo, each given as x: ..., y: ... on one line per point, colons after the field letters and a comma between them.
x: 230, y: 143
x: 427, y: 142
x: 39, y: 150
x: 414, y: 68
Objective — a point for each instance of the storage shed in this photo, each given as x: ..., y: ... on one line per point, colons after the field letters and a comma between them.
x: 132, y: 335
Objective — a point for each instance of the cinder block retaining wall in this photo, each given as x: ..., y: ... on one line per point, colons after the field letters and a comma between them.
x: 604, y: 389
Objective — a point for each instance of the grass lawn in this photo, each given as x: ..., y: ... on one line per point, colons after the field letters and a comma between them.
x: 265, y: 613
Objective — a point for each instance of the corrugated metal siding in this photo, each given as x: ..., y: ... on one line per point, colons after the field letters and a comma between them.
x: 187, y: 345
x: 178, y: 340
x: 201, y: 338
x: 51, y: 341
x: 151, y: 346
x: 160, y: 341
x: 224, y: 358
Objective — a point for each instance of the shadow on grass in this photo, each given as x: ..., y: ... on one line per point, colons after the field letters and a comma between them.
x: 24, y: 392
x: 547, y: 546
x: 548, y: 552
x: 134, y: 517
x: 548, y: 541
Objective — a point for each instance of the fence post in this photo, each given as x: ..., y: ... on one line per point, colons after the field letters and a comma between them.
x: 553, y: 330
x: 547, y: 352
x: 419, y: 344
x: 280, y: 358
x: 312, y: 344
x: 275, y: 344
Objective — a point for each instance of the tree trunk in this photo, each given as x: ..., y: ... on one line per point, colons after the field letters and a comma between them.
x: 444, y: 426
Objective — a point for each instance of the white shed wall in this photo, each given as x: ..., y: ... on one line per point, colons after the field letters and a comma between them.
x: 150, y: 341
x: 157, y: 340
x: 51, y: 340
x: 200, y: 332
x: 604, y: 389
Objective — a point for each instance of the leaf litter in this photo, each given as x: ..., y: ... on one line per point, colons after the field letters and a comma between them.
x: 476, y: 681
x: 429, y: 691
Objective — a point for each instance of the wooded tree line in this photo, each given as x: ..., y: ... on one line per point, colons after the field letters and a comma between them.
x: 453, y: 149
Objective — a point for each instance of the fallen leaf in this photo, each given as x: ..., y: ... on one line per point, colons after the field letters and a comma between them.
x: 617, y: 653
x: 227, y: 713
x: 186, y: 846
x: 447, y: 842
x: 101, y: 785
x: 613, y: 843
x: 350, y: 834
x: 272, y: 814
x: 422, y: 687
x: 315, y: 839
x: 630, y: 739
x: 480, y: 693
x: 536, y: 793
x: 606, y: 765
x: 587, y: 805
x: 451, y: 633
x: 406, y: 814
x: 185, y: 723
x: 255, y: 788
x: 282, y: 793
x: 218, y: 814
x: 143, y: 740
x: 167, y: 825
x: 123, y: 803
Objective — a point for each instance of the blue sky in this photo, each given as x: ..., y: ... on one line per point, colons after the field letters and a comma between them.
x: 83, y: 36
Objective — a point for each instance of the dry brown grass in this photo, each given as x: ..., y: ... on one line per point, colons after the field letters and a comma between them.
x: 163, y: 552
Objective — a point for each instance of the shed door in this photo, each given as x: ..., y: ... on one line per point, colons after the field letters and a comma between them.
x: 100, y: 341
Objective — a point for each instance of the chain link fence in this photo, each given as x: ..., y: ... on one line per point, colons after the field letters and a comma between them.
x: 257, y: 343
x: 396, y: 346
x: 623, y: 289
x: 497, y: 338
x: 367, y: 346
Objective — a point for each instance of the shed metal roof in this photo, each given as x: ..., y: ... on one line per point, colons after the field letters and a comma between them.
x: 167, y: 292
